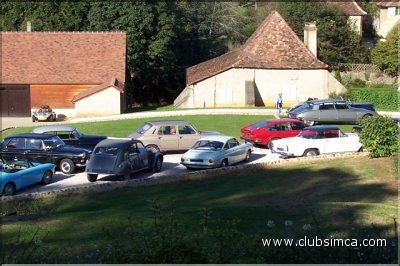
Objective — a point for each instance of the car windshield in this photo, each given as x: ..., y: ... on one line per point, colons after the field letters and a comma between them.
x: 76, y: 133
x: 53, y: 142
x: 144, y: 128
x: 308, y: 134
x: 110, y: 151
x: 259, y: 124
x: 208, y: 145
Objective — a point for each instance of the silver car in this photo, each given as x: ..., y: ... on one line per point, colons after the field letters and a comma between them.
x: 332, y: 111
x: 169, y: 135
x: 216, y: 151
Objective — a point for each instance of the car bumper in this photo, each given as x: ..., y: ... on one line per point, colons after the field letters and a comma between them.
x: 254, y: 142
x: 199, y: 165
x: 284, y: 154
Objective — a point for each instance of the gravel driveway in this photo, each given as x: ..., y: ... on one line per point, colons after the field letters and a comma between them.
x: 171, y: 166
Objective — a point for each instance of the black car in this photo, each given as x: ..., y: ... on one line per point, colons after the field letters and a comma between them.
x: 43, y: 148
x: 71, y: 136
x: 122, y: 157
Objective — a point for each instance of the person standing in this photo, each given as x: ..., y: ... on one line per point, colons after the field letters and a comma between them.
x: 278, y: 105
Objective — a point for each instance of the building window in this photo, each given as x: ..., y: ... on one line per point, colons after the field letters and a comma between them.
x: 397, y: 11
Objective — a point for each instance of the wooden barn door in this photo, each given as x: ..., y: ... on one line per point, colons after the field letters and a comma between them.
x: 15, y: 100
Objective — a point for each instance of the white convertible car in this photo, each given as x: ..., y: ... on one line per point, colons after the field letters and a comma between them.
x: 317, y: 140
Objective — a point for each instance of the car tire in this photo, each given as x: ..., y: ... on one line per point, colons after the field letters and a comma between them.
x: 92, y: 177
x: 47, y: 177
x: 248, y: 155
x: 224, y: 163
x: 67, y: 166
x: 269, y: 145
x: 33, y: 119
x: 153, y: 148
x: 310, y: 153
x: 157, y: 164
x: 9, y: 189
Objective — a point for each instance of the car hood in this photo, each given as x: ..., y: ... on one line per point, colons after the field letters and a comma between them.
x: 134, y: 135
x: 200, y: 154
x: 70, y: 150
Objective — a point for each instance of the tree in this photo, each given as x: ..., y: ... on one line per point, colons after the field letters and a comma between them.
x: 337, y: 41
x: 385, y: 54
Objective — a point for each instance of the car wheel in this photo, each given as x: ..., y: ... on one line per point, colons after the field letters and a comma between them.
x: 310, y: 152
x: 153, y: 148
x: 224, y: 163
x: 47, y: 177
x: 67, y: 166
x: 248, y: 154
x: 92, y: 177
x: 269, y: 145
x: 9, y: 189
x: 34, y: 119
x: 158, y: 164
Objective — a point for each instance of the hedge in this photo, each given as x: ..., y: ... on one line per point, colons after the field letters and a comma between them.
x: 383, y: 98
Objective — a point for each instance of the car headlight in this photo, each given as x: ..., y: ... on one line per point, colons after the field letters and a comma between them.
x: 182, y: 160
x: 210, y: 161
x: 287, y: 148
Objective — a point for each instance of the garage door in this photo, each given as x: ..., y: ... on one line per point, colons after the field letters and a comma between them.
x: 15, y: 101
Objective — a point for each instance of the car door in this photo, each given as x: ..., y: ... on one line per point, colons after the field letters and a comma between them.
x: 144, y: 155
x: 14, y: 149
x: 168, y: 138
x: 332, y: 141
x: 36, y: 150
x: 295, y: 128
x: 134, y: 158
x: 327, y: 112
x: 187, y: 137
x: 234, y: 151
x: 345, y: 114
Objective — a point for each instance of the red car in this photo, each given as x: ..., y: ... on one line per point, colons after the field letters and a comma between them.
x: 263, y: 132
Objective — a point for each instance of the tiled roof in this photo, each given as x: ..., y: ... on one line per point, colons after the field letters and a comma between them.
x: 388, y: 3
x: 350, y: 8
x: 62, y: 57
x: 114, y: 82
x: 274, y: 45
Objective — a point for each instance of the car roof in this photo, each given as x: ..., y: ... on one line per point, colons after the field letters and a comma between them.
x: 115, y: 142
x: 327, y: 101
x: 282, y: 120
x: 31, y: 135
x: 321, y: 127
x: 220, y: 138
x: 167, y: 122
x: 53, y: 128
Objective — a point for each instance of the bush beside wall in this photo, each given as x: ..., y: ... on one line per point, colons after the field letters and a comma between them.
x: 383, y: 98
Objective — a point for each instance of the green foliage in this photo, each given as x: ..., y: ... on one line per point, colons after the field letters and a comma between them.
x: 385, y: 53
x: 337, y: 41
x: 384, y: 98
x: 379, y: 135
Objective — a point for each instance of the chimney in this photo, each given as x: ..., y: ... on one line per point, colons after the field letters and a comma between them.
x: 28, y: 26
x: 310, y: 37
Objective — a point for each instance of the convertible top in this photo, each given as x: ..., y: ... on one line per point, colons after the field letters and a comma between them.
x: 321, y: 128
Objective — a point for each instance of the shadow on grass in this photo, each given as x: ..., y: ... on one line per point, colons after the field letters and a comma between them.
x: 335, y: 199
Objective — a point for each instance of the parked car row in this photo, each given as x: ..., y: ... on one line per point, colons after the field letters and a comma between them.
x: 35, y: 156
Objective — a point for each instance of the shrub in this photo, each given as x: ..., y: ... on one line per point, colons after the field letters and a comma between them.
x: 384, y: 98
x: 379, y: 135
x: 385, y: 53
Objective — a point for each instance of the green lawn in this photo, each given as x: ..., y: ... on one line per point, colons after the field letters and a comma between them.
x: 341, y: 197
x: 227, y: 124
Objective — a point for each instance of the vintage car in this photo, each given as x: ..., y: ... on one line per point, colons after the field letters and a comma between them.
x: 19, y: 174
x: 122, y: 157
x: 71, y: 136
x: 264, y: 132
x: 331, y: 111
x: 43, y: 148
x: 44, y: 113
x: 169, y: 135
x: 317, y: 140
x: 216, y: 151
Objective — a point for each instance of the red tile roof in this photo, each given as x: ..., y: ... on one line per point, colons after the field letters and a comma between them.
x: 350, y: 8
x: 274, y: 45
x: 62, y: 57
x: 388, y: 3
x: 114, y: 82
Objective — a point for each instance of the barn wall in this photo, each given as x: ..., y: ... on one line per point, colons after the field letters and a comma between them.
x: 227, y: 89
x: 105, y: 102
x: 57, y: 96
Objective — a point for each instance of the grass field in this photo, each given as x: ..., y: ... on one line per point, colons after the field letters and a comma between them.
x: 340, y: 197
x: 227, y: 124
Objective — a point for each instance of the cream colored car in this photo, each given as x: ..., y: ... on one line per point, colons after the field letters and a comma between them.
x: 169, y: 135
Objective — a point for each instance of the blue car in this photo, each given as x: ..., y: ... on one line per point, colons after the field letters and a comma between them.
x: 19, y: 174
